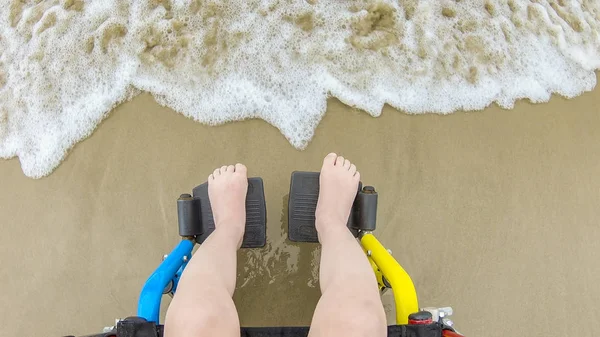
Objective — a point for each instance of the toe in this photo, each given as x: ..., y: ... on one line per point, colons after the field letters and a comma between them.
x: 241, y: 168
x: 223, y: 169
x: 216, y: 172
x: 211, y: 177
x: 347, y: 164
x: 352, y: 169
x: 357, y: 175
x: 339, y: 161
x: 231, y: 168
x: 330, y: 159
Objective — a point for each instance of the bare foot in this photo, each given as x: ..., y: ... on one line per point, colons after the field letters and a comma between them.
x: 227, y: 188
x: 338, y: 186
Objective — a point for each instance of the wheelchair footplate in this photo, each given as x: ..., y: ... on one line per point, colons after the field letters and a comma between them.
x: 196, y: 219
x: 304, y: 193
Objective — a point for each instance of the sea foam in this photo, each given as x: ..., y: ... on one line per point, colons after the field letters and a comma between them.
x: 65, y: 64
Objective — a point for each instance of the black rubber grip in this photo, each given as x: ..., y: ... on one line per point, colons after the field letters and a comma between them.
x: 188, y: 216
x: 365, y: 209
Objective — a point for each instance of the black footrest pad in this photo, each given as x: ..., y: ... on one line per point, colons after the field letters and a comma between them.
x: 256, y: 214
x: 304, y: 193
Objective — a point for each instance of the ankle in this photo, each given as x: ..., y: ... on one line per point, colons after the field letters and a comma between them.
x: 232, y: 234
x: 327, y: 220
x: 330, y: 229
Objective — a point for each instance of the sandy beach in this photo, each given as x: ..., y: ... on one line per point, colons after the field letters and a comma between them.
x: 494, y: 213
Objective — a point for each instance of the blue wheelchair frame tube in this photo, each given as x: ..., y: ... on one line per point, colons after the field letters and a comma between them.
x: 173, y: 265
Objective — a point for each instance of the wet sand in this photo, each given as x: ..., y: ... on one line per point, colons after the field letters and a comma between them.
x: 495, y: 213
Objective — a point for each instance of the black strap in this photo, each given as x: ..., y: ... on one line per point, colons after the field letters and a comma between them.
x: 428, y: 330
x: 283, y: 331
x: 145, y: 329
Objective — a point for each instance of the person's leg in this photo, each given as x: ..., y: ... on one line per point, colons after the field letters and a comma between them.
x: 202, y: 305
x: 350, y: 303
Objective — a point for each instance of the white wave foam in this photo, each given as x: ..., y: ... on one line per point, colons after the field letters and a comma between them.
x: 65, y: 64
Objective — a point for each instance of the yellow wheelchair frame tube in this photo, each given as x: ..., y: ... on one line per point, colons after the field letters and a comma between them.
x: 385, y: 265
